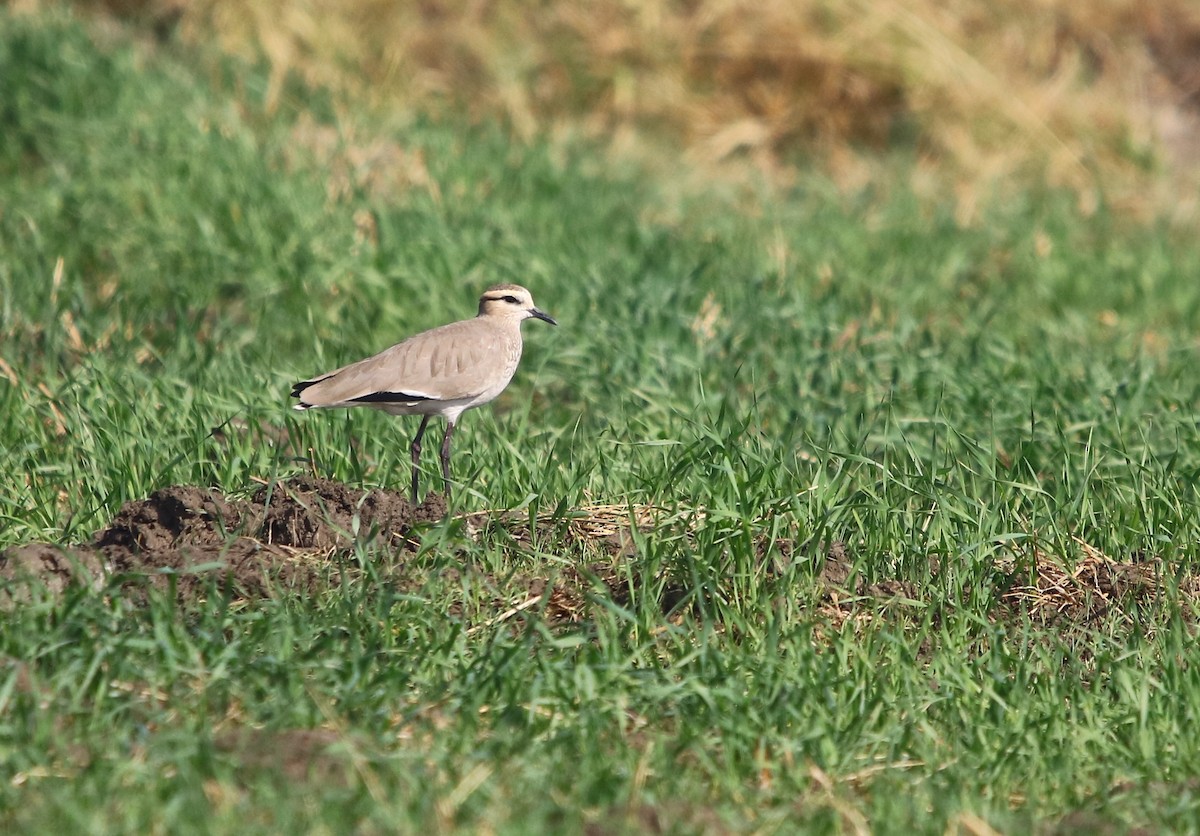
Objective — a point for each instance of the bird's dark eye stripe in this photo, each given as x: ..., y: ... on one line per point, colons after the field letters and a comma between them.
x: 512, y: 300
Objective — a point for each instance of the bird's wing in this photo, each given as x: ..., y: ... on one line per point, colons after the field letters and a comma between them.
x: 448, y: 363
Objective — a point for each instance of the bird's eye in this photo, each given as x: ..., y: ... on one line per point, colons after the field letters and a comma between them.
x: 512, y: 300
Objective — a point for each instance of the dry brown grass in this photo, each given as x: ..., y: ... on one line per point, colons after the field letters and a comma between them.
x: 1102, y: 97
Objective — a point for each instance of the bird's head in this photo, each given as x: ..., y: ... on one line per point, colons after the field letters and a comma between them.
x: 511, y: 300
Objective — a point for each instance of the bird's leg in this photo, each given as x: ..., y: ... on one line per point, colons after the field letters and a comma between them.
x: 446, y: 457
x: 416, y: 455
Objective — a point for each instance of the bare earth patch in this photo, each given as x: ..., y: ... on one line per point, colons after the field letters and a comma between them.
x: 289, y: 534
x: 1055, y: 594
x: 284, y: 536
x: 1096, y: 588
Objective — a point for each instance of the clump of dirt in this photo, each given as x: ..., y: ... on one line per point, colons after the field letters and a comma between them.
x: 1093, y: 589
x: 1052, y: 593
x: 285, y: 535
x: 51, y: 567
x: 838, y: 582
x: 314, y: 513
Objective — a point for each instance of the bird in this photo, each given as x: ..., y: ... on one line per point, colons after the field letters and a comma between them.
x: 444, y: 371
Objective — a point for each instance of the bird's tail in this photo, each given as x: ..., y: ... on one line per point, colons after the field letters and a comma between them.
x: 298, y: 389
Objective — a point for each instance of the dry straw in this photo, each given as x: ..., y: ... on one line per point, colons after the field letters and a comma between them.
x: 1100, y: 97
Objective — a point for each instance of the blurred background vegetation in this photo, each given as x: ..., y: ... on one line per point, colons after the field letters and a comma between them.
x: 1101, y: 97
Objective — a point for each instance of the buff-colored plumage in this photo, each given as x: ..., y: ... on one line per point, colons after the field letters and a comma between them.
x: 444, y: 371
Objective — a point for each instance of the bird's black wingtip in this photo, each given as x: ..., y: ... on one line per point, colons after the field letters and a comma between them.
x: 390, y: 397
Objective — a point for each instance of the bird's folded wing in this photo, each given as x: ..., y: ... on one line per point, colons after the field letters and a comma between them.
x: 447, y: 363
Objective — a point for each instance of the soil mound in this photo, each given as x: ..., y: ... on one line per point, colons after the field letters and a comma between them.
x: 285, y: 536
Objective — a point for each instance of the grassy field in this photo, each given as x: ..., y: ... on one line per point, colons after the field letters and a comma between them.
x: 820, y: 510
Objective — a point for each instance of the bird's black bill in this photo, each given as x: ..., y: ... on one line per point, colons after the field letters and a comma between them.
x: 543, y: 316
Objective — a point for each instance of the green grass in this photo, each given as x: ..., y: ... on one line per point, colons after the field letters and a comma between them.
x: 806, y: 366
